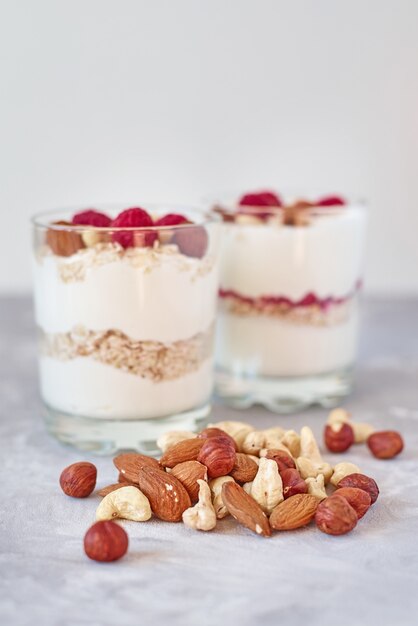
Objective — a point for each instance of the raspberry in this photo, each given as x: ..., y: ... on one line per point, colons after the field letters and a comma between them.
x: 171, y: 219
x: 133, y: 218
x: 331, y: 201
x: 260, y: 198
x: 192, y: 241
x: 90, y: 217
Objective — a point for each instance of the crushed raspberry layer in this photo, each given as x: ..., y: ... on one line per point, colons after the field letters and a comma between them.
x: 309, y: 309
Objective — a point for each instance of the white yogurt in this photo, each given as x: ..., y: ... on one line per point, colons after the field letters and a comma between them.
x: 324, y: 258
x: 166, y: 300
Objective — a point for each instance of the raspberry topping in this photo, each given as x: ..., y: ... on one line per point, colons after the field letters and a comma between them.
x: 331, y: 201
x: 171, y: 219
x: 260, y: 198
x: 133, y: 218
x: 90, y: 217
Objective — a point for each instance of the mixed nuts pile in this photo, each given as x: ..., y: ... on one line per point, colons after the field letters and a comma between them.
x: 269, y: 480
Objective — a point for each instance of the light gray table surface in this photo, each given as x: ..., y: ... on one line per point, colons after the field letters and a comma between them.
x: 176, y: 576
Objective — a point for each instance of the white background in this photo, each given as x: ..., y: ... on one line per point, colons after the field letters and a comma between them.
x: 105, y: 100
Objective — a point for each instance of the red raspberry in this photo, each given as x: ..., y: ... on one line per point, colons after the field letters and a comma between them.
x: 192, y: 241
x: 171, y: 219
x: 90, y: 217
x: 331, y: 201
x: 133, y: 218
x: 260, y: 198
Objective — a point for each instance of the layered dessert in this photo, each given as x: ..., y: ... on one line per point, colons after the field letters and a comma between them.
x: 125, y: 307
x: 290, y: 279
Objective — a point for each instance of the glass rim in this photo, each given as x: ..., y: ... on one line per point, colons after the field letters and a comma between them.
x: 42, y: 220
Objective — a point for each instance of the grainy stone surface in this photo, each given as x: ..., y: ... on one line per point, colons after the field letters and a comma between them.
x: 176, y: 576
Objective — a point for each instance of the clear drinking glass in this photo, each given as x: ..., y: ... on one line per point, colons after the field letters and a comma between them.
x: 126, y: 320
x: 289, y: 304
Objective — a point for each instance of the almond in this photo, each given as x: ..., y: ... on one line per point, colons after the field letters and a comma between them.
x: 167, y: 496
x: 130, y: 463
x: 63, y: 242
x: 109, y: 488
x: 297, y: 511
x: 187, y: 450
x: 245, y: 469
x: 188, y: 473
x: 244, y: 509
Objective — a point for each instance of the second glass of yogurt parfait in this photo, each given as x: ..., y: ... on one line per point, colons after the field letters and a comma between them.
x: 125, y: 304
x: 291, y: 274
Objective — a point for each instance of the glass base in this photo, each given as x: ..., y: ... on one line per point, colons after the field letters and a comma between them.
x: 108, y: 436
x: 284, y: 395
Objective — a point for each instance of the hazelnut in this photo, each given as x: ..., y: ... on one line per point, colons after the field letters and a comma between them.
x: 334, y: 516
x: 293, y: 483
x: 338, y: 437
x: 385, y: 444
x: 105, y: 541
x: 361, y: 481
x: 357, y: 498
x: 283, y: 460
x: 218, y: 454
x: 207, y: 433
x: 79, y: 479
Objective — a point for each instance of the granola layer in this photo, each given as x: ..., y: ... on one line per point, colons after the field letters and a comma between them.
x: 152, y: 360
x: 74, y: 268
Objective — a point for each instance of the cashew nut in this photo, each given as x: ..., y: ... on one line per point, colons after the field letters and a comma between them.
x: 254, y: 442
x: 273, y: 436
x: 310, y: 462
x: 316, y: 487
x: 170, y: 438
x: 291, y: 440
x: 216, y: 489
x: 202, y: 515
x: 125, y: 503
x: 267, y: 486
x: 341, y: 470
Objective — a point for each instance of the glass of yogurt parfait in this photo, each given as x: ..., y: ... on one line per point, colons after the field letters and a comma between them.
x: 125, y: 304
x: 291, y: 274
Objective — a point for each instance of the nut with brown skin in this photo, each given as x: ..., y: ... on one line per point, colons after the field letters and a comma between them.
x: 294, y: 512
x: 293, y: 483
x: 385, y: 444
x: 188, y: 474
x: 207, y: 433
x: 357, y: 498
x: 79, y: 479
x: 338, y: 437
x: 104, y: 491
x: 105, y: 541
x: 245, y: 469
x: 218, y: 454
x: 283, y: 459
x: 334, y: 516
x: 63, y: 242
x: 167, y: 496
x: 361, y: 481
x: 130, y: 463
x: 187, y: 450
x: 245, y: 509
